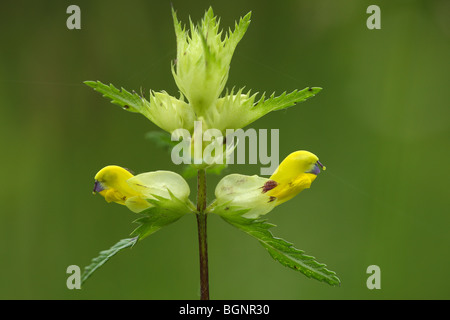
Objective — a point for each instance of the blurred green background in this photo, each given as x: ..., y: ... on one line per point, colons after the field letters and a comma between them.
x: 381, y: 126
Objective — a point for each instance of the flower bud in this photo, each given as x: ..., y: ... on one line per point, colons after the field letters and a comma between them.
x: 203, y: 59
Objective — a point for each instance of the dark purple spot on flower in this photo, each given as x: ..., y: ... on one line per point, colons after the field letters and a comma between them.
x: 269, y: 185
x: 272, y: 199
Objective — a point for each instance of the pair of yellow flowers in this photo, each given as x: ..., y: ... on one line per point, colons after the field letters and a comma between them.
x: 255, y: 194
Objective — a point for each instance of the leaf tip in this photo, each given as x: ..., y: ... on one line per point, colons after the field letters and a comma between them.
x: 90, y: 83
x: 314, y: 90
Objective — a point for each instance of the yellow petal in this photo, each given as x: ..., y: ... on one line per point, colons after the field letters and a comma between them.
x: 137, y: 204
x: 294, y: 165
x: 286, y: 191
x: 113, y: 180
x: 292, y: 175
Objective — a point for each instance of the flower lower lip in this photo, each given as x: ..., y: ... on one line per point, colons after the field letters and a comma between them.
x: 98, y: 187
x: 316, y: 169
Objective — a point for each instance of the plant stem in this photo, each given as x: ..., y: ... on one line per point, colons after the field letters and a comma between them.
x: 202, y: 241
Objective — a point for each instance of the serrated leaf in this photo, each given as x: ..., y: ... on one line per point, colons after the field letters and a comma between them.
x: 234, y: 37
x: 105, y: 255
x: 285, y: 100
x: 155, y: 219
x: 164, y: 212
x: 129, y: 101
x: 279, y: 249
x: 238, y: 109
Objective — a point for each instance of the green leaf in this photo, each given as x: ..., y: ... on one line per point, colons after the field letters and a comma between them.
x: 163, y: 213
x: 240, y: 29
x: 239, y: 109
x: 128, y: 101
x: 285, y: 100
x: 279, y: 249
x: 155, y: 219
x: 105, y: 256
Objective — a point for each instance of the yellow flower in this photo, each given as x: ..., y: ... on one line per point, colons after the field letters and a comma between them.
x: 260, y: 195
x: 294, y: 174
x: 119, y: 185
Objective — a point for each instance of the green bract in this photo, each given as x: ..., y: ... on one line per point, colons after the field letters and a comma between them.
x: 201, y: 71
x: 235, y: 111
x: 168, y: 113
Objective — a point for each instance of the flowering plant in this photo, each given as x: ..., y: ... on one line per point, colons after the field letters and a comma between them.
x: 201, y: 71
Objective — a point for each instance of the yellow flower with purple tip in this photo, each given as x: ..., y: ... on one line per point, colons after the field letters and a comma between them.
x: 260, y: 195
x: 119, y: 185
